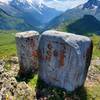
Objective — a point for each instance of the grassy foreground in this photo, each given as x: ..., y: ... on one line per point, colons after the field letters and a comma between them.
x: 96, y: 44
x: 89, y: 92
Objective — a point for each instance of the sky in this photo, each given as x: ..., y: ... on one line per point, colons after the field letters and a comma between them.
x: 64, y: 4
x: 61, y: 4
x: 57, y: 4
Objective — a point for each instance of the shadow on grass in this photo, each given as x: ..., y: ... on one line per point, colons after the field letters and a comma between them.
x: 26, y: 77
x: 47, y: 92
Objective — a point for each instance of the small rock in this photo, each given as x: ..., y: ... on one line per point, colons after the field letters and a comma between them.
x: 14, y: 60
x: 2, y: 64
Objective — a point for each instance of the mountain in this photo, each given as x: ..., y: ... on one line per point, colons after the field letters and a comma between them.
x: 38, y: 13
x: 85, y: 25
x: 94, y: 7
x: 9, y: 22
x: 34, y: 10
x: 34, y: 14
x: 92, y: 4
x: 42, y: 15
x: 79, y: 16
x: 68, y: 16
x: 15, y: 14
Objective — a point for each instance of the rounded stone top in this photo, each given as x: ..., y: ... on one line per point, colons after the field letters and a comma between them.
x: 27, y: 34
x: 55, y: 33
x: 66, y: 35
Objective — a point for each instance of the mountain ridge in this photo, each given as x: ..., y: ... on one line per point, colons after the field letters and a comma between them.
x: 72, y: 15
x: 86, y: 25
x: 42, y: 17
x: 8, y: 22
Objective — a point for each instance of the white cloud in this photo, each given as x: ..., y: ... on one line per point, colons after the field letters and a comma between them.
x: 38, y: 1
x: 5, y: 1
x: 63, y: 4
x: 57, y: 4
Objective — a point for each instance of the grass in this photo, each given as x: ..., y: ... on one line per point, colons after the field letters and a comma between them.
x: 7, y: 44
x: 96, y: 44
x: 45, y: 91
x: 8, y: 49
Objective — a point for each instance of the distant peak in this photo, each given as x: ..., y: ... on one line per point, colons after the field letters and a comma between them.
x: 92, y: 4
x: 5, y: 1
x: 61, y: 5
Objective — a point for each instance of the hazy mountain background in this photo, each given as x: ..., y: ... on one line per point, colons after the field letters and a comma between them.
x: 41, y: 15
x: 85, y: 18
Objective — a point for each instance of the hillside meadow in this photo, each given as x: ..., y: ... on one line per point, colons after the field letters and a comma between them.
x: 89, y: 92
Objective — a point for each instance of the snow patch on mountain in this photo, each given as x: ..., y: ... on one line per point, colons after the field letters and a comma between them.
x: 61, y: 5
x: 5, y: 1
x: 64, y: 4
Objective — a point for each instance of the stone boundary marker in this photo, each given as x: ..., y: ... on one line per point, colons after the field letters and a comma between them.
x: 27, y: 44
x: 63, y: 58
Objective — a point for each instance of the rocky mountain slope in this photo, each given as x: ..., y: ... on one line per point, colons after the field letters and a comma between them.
x: 85, y: 25
x: 9, y: 22
x: 39, y: 14
x: 92, y: 8
x: 34, y: 14
x: 92, y: 4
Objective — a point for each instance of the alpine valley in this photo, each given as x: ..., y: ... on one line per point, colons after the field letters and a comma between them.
x: 40, y: 15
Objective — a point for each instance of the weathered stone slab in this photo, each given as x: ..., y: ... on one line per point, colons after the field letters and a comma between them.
x: 64, y: 59
x: 27, y: 44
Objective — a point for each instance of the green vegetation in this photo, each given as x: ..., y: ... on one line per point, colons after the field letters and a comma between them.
x: 96, y: 44
x: 84, y: 26
x: 93, y: 92
x: 43, y: 90
x: 10, y: 22
x: 7, y: 44
x: 87, y: 24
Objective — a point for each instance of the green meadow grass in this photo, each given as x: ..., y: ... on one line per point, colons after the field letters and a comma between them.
x: 7, y: 44
x: 96, y: 45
